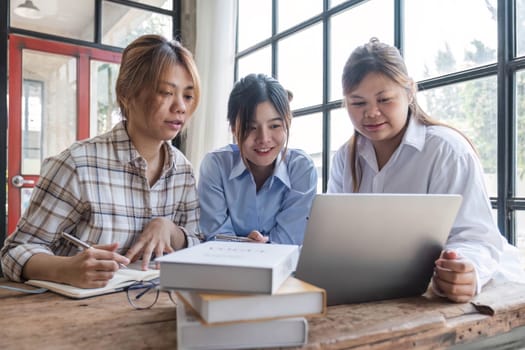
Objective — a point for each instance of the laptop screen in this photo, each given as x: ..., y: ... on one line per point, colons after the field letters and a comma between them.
x: 365, y: 247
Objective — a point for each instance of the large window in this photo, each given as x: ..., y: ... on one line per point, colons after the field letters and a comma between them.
x: 117, y: 24
x: 472, y: 77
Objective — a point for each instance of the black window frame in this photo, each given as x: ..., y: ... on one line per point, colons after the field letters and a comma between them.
x: 504, y: 69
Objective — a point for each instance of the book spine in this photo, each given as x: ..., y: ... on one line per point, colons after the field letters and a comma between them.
x: 283, y: 271
x: 244, y: 335
x: 215, y: 278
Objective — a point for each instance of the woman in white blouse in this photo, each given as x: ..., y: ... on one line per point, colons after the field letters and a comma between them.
x: 398, y: 148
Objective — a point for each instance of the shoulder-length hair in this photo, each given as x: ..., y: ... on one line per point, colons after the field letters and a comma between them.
x: 144, y: 61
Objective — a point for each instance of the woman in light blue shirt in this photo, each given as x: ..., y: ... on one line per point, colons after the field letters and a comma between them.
x: 257, y: 188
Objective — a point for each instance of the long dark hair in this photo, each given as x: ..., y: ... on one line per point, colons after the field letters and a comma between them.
x: 244, y: 98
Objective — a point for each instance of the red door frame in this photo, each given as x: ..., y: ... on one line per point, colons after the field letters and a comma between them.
x: 84, y: 55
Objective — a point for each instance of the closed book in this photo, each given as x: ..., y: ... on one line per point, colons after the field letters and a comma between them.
x: 293, y: 299
x: 229, y: 267
x: 192, y: 334
x: 121, y: 279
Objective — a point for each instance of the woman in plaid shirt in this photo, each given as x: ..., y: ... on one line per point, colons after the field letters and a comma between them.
x: 128, y: 193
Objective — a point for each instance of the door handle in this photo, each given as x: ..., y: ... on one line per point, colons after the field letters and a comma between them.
x: 19, y: 181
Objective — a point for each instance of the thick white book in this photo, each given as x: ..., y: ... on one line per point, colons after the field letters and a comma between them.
x: 229, y: 267
x: 295, y: 298
x: 192, y: 334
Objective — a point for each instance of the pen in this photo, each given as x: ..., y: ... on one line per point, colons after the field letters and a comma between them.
x: 81, y: 244
x: 231, y: 238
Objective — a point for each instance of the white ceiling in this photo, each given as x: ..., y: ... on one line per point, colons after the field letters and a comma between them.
x: 75, y: 18
x: 60, y: 17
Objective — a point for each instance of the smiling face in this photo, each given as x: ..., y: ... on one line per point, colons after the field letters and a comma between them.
x: 159, y: 116
x: 265, y: 138
x: 378, y: 109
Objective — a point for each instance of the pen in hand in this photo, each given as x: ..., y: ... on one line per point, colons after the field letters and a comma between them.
x: 81, y: 244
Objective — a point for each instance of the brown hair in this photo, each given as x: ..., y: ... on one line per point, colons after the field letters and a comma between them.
x: 144, y: 61
x: 381, y: 58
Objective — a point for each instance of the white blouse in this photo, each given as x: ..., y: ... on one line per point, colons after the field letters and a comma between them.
x: 437, y: 159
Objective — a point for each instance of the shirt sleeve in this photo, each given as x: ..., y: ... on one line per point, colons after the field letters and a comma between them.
x: 296, y: 204
x: 55, y: 204
x: 215, y: 216
x: 474, y: 234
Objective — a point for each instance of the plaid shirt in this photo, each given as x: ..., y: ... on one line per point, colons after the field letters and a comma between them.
x: 97, y: 189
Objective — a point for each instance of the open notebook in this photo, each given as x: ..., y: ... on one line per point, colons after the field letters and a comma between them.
x: 121, y: 279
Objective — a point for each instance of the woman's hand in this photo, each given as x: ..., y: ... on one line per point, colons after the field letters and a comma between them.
x: 91, y: 268
x: 257, y: 237
x: 160, y: 236
x: 94, y: 267
x: 454, y: 277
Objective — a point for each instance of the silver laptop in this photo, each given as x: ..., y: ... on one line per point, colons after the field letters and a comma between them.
x: 365, y: 247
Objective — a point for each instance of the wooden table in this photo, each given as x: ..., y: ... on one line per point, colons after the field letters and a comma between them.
x: 50, y: 321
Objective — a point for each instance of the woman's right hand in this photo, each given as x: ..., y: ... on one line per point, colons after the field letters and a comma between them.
x: 93, y: 267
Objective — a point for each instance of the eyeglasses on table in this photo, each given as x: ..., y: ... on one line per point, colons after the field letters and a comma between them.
x: 143, y: 295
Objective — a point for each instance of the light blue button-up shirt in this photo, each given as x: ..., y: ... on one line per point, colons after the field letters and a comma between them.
x: 230, y: 203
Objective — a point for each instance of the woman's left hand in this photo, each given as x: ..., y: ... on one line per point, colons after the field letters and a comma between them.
x: 156, y: 240
x: 258, y: 237
x: 455, y: 277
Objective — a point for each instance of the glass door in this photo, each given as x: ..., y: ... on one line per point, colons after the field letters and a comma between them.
x: 58, y: 93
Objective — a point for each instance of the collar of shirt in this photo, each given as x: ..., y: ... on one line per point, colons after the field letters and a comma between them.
x: 126, y: 151
x: 415, y: 136
x: 239, y: 168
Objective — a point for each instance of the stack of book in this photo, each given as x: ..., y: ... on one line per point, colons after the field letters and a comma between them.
x: 240, y: 295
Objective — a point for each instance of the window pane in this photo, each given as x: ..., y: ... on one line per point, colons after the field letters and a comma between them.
x: 255, y: 22
x: 163, y: 4
x: 306, y: 134
x: 341, y: 129
x: 105, y: 112
x: 334, y: 3
x: 122, y: 24
x: 472, y: 108
x: 439, y: 42
x: 32, y: 115
x: 357, y: 21
x: 520, y: 233
x: 300, y: 66
x: 520, y: 137
x: 49, y: 106
x: 259, y: 61
x: 520, y: 25
x: 72, y: 19
x: 292, y: 12
x: 25, y: 198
